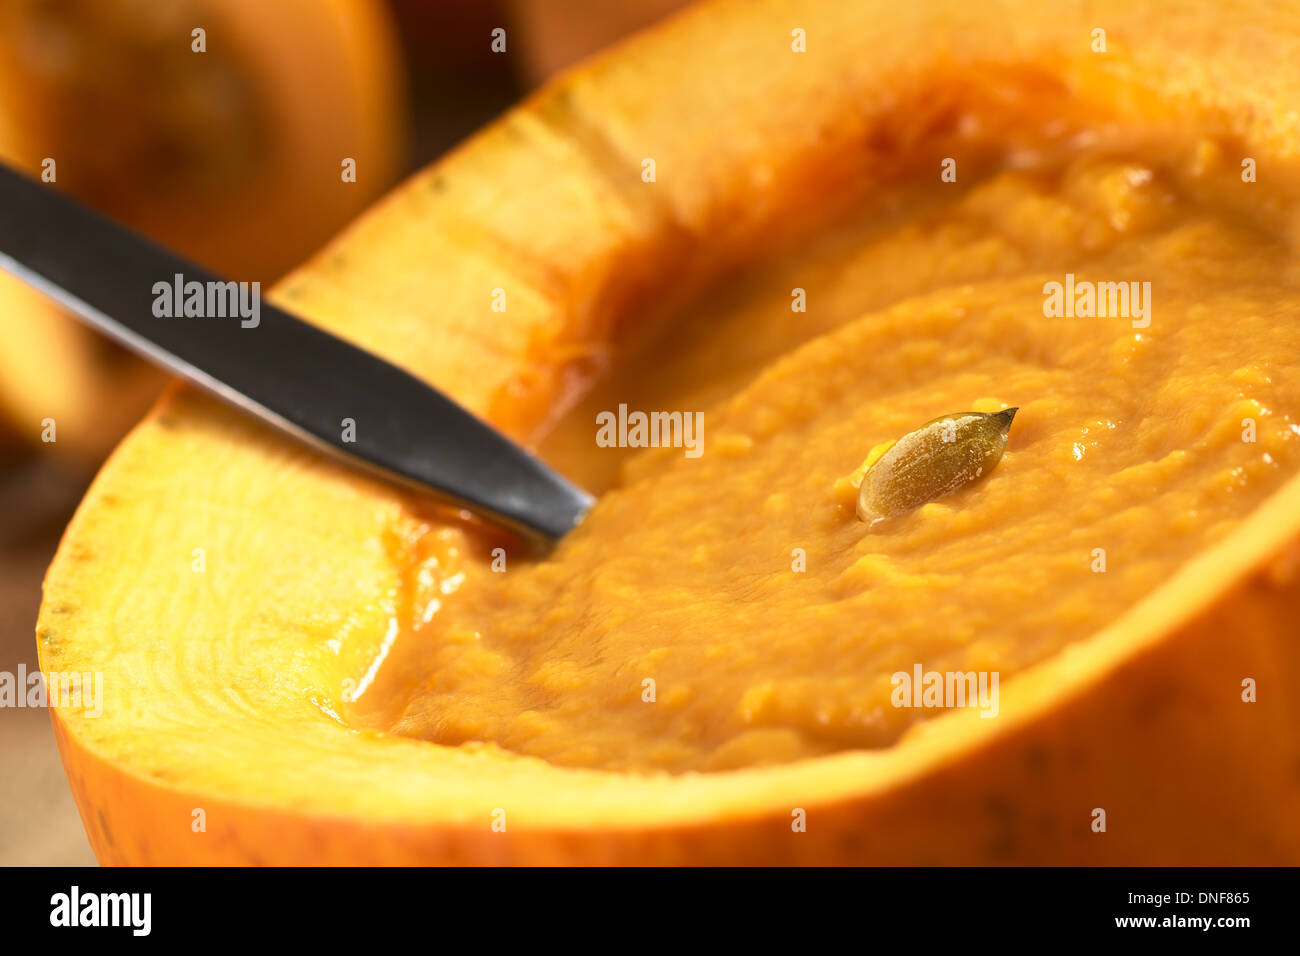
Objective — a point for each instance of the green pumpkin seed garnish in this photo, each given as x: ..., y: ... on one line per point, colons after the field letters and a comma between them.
x: 937, y: 459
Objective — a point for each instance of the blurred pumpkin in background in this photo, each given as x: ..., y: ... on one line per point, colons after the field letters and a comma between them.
x: 553, y: 34
x: 219, y: 128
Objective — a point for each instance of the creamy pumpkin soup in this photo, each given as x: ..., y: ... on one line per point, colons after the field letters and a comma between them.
x: 731, y: 608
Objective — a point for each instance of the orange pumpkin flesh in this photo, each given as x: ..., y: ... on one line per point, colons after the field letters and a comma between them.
x: 226, y: 690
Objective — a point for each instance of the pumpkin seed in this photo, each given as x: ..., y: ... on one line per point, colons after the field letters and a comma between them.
x: 940, y: 457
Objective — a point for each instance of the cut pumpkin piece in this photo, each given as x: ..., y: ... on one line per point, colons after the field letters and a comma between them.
x: 206, y: 149
x: 61, y: 387
x: 711, y: 668
x: 232, y: 156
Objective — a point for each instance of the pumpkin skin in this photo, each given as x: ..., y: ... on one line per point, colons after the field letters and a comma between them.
x: 231, y: 157
x: 219, y: 688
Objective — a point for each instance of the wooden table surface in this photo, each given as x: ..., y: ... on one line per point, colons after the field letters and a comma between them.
x: 39, y: 824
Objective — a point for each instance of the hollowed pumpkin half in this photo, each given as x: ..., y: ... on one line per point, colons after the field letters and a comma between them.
x: 239, y: 596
